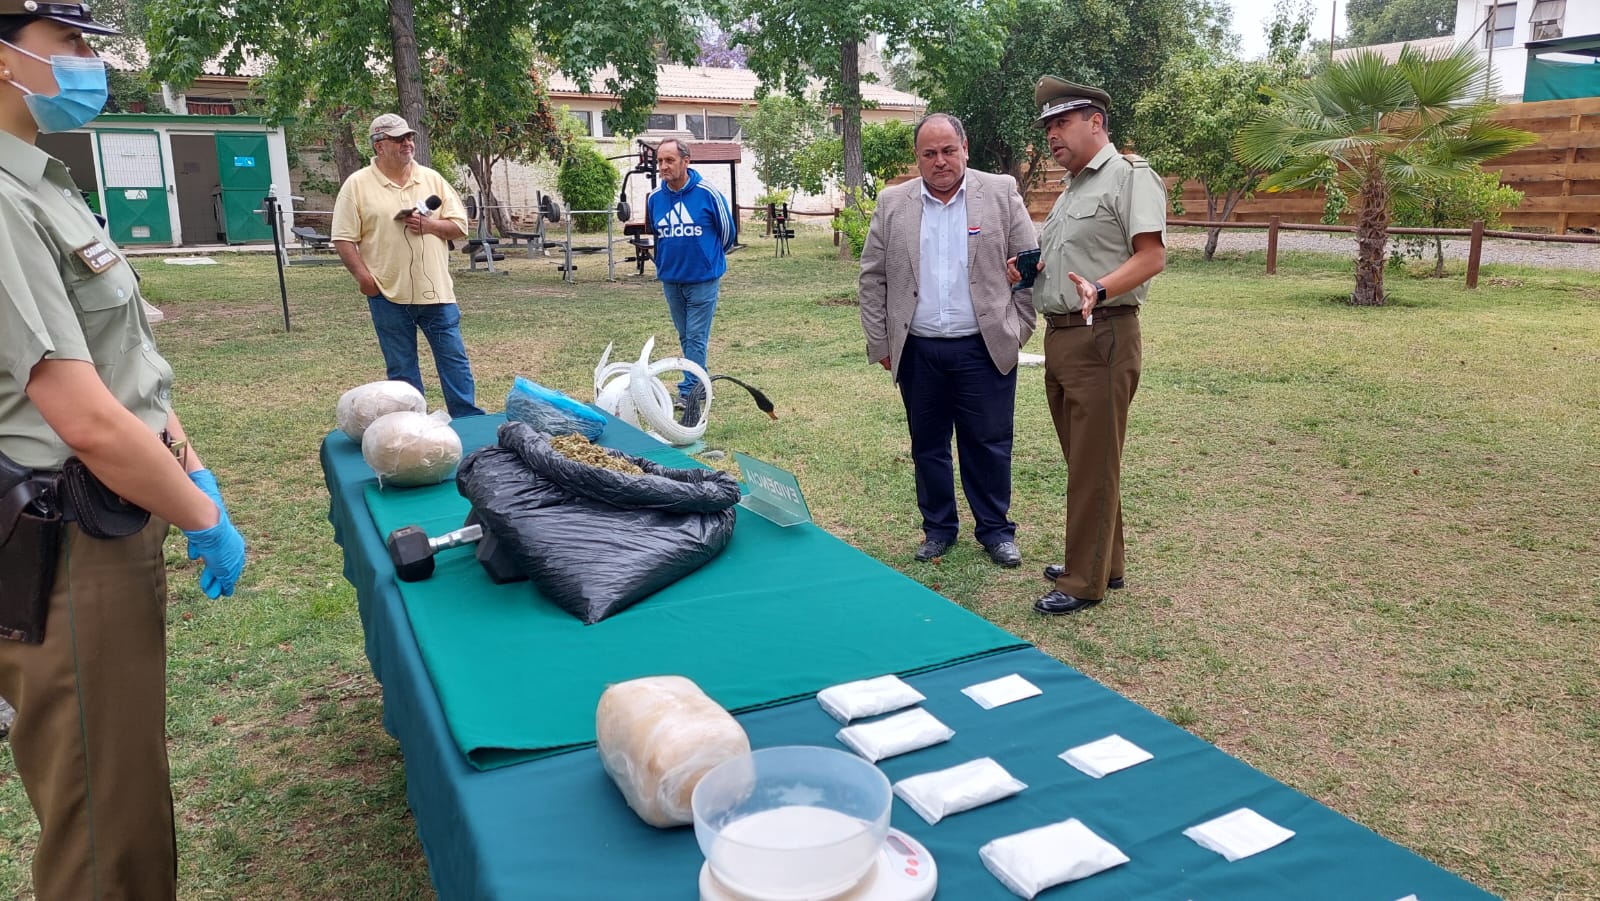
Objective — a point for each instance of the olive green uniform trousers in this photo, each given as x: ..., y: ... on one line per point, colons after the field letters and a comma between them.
x: 1090, y: 376
x: 90, y: 735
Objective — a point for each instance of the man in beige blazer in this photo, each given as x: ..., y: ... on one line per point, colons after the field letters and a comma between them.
x: 939, y: 314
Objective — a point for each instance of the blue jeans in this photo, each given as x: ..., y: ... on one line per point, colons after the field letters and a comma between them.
x: 397, y: 324
x: 692, y: 306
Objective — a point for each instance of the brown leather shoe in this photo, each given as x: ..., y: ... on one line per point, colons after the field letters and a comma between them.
x: 1056, y: 603
x: 1055, y: 571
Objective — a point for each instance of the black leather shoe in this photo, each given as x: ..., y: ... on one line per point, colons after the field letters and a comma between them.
x: 1055, y: 603
x: 932, y: 549
x: 1005, y: 553
x: 1055, y: 571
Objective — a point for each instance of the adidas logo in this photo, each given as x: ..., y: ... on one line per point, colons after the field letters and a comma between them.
x: 677, y: 223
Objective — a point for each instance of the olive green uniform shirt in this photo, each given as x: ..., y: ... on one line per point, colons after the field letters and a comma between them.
x: 66, y: 293
x: 1090, y: 229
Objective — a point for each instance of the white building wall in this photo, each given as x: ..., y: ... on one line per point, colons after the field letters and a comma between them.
x: 1511, y: 63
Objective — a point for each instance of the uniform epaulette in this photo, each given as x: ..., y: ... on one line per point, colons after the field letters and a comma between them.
x: 1137, y: 161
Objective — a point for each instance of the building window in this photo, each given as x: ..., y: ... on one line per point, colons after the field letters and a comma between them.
x: 209, y: 106
x: 1501, y: 25
x: 661, y: 122
x: 1545, y: 23
x: 712, y: 128
x: 585, y: 119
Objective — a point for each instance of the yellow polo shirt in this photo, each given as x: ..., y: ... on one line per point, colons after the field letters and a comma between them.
x: 410, y: 268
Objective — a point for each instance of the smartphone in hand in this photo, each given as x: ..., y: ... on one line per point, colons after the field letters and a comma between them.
x: 1028, y: 266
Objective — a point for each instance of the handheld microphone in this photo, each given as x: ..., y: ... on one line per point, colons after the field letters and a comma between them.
x: 424, y: 208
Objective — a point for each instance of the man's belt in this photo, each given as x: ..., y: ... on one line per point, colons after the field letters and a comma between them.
x: 1074, y: 320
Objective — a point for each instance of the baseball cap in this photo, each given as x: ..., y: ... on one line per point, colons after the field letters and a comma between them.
x: 387, y: 125
x: 1055, y: 96
x: 74, y: 14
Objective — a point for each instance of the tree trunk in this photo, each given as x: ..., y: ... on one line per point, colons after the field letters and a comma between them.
x: 408, y: 73
x: 1372, y: 238
x: 1438, y: 257
x: 1211, y: 214
x: 346, y: 152
x: 850, y: 112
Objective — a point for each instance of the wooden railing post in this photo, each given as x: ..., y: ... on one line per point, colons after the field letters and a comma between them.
x: 835, y: 226
x: 1475, y: 253
x: 1272, y: 245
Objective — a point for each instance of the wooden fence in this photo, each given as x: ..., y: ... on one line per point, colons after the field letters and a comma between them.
x: 1559, y: 176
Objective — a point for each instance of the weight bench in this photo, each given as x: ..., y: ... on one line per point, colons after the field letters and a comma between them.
x: 642, y: 241
x: 311, y: 242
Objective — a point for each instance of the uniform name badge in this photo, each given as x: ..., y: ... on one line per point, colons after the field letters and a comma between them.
x: 97, y: 256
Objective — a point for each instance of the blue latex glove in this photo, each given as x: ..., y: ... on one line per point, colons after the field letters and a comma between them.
x: 221, y: 546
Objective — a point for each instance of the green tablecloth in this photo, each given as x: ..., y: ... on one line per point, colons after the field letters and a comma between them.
x: 781, y: 613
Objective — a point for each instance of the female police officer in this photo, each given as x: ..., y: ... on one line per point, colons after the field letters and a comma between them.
x: 80, y: 381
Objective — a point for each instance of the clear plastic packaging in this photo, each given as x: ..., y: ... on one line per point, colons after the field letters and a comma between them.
x: 657, y: 737
x: 1030, y: 862
x: 898, y: 734
x: 359, y: 407
x: 867, y: 697
x: 409, y: 449
x: 552, y: 412
x: 942, y: 793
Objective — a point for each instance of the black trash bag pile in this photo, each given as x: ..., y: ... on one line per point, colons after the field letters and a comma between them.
x: 594, y: 540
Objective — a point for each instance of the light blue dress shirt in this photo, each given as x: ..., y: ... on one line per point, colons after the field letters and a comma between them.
x: 944, y: 298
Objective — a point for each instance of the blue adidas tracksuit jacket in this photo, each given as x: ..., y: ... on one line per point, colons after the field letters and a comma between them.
x: 694, y: 231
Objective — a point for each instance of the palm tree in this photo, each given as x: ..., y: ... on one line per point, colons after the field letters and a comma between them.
x: 1365, y: 127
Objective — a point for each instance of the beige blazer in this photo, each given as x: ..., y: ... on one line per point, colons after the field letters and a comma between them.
x: 891, y: 263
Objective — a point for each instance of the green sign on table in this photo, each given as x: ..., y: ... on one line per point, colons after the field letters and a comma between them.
x: 774, y: 494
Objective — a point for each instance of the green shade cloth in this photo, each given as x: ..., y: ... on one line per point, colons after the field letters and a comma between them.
x: 519, y: 677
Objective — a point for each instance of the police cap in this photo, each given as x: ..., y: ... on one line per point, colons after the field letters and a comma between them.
x: 74, y: 14
x: 1054, y: 96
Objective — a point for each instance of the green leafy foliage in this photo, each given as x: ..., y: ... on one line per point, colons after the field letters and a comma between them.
x: 853, y: 221
x: 1387, y: 21
x: 886, y: 151
x: 1450, y: 201
x: 776, y: 131
x: 588, y: 181
x: 1373, y: 129
x: 986, y: 75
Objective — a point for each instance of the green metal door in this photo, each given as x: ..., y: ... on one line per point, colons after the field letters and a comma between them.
x: 135, y: 187
x: 246, y: 174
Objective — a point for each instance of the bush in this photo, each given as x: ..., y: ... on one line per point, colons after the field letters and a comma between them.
x: 776, y: 197
x: 853, y: 222
x: 588, y: 181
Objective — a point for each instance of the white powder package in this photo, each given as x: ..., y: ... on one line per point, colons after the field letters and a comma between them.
x: 868, y: 697
x: 897, y: 734
x: 941, y: 793
x: 1030, y: 862
x: 1239, y: 834
x: 1001, y: 691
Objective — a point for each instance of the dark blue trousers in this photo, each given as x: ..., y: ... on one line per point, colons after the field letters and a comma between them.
x: 952, y: 384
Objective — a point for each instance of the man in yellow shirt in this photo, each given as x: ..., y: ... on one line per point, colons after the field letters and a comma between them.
x: 390, y: 225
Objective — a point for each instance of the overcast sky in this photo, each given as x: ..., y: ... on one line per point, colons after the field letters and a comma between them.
x: 1251, y: 17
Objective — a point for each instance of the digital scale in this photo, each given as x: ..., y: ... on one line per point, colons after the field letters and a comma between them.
x: 905, y: 871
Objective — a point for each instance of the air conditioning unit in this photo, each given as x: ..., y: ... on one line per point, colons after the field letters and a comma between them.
x: 1548, y: 30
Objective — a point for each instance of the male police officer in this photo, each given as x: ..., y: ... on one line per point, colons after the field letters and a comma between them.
x: 1102, y: 243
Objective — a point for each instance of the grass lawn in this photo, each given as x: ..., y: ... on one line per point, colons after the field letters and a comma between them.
x: 1362, y: 543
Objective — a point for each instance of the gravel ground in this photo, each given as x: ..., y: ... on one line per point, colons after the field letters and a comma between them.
x: 1495, y: 250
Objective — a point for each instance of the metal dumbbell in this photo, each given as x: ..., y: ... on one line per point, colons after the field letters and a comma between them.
x: 412, y: 550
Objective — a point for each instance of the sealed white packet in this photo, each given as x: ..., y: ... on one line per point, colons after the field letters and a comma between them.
x: 1004, y: 690
x: 896, y: 735
x: 867, y: 697
x: 1030, y: 862
x: 941, y: 793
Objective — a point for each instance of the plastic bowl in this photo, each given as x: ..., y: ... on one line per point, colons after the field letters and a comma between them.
x: 791, y: 823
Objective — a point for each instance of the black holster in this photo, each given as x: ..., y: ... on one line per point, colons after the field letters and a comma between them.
x: 30, y: 539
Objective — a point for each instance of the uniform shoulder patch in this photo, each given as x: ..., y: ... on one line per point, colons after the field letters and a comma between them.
x: 97, y: 256
x: 1137, y: 161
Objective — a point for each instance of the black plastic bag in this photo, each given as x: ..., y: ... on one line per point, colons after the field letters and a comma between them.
x: 593, y: 540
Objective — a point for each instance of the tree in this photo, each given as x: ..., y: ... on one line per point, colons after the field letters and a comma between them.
x: 1388, y: 21
x: 323, y: 57
x: 789, y: 42
x: 986, y: 75
x: 775, y: 131
x: 887, y: 150
x: 1368, y: 128
x: 588, y: 181
x: 1189, y: 117
x: 716, y: 49
x: 1453, y: 201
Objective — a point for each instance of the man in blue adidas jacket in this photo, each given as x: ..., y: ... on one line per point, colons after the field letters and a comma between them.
x: 694, y: 232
